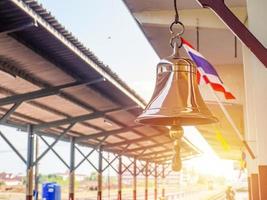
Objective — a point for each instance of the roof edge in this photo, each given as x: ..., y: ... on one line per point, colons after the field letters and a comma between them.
x: 66, y: 37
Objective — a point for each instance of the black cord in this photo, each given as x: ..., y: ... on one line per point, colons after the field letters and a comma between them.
x: 176, y: 12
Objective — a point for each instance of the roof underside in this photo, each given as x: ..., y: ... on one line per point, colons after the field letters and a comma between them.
x: 64, y: 89
x: 217, y: 44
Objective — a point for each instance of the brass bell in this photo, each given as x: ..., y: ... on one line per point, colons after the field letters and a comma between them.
x: 176, y: 100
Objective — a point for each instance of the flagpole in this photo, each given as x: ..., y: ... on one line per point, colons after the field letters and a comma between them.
x: 230, y: 120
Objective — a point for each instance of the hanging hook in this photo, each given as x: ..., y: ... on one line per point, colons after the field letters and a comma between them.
x: 176, y: 41
x: 180, y: 28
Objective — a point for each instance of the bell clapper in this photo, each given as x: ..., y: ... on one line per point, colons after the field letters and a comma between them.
x: 176, y: 133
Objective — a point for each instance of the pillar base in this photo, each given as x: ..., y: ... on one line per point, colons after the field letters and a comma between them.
x: 119, y: 195
x: 263, y: 181
x: 134, y: 195
x: 254, y: 187
x: 71, y: 196
x: 99, y: 195
x: 28, y: 197
x: 146, y: 194
x: 249, y: 191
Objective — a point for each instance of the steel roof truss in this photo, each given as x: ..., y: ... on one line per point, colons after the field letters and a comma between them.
x: 54, y: 143
x: 75, y: 119
x: 44, y: 92
x: 85, y: 157
x: 60, y: 158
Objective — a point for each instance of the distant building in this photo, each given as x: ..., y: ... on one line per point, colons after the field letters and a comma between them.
x: 78, y: 177
x: 10, y: 179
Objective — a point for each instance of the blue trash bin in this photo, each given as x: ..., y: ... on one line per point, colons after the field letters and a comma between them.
x: 51, y: 191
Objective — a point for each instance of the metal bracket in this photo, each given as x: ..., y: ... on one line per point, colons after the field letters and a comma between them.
x: 17, y: 27
x: 237, y: 27
x: 44, y: 92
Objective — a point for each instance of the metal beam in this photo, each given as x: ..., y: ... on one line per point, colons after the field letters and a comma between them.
x: 36, y: 170
x: 167, y: 156
x: 43, y: 92
x: 163, y: 182
x: 132, y: 141
x: 107, y: 133
x: 72, y: 169
x: 10, y: 112
x: 134, y: 180
x: 76, y: 119
x: 12, y: 147
x: 157, y: 152
x: 59, y: 157
x: 237, y: 27
x: 120, y: 178
x: 17, y: 27
x: 54, y: 143
x: 119, y: 154
x: 202, y: 18
x: 148, y: 147
x: 127, y: 168
x: 99, y: 177
x: 146, y: 181
x: 29, y: 172
x: 156, y: 182
x: 85, y: 157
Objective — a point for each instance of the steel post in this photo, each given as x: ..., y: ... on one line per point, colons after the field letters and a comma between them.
x: 29, y: 173
x: 72, y: 169
x: 99, y: 177
x: 156, y: 183
x: 163, y: 182
x: 134, y: 179
x: 120, y: 179
x: 146, y: 181
x: 36, y: 171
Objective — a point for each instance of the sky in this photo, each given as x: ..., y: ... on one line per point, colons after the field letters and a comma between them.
x: 107, y: 28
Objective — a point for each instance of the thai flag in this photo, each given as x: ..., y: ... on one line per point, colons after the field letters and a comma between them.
x: 206, y: 72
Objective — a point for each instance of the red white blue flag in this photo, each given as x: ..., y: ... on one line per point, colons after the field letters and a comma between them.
x: 206, y: 72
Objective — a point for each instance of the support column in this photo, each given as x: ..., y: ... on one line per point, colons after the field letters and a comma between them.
x: 29, y: 173
x: 254, y: 187
x: 255, y: 76
x: 36, y: 171
x: 156, y: 183
x: 146, y: 181
x: 99, y: 177
x: 250, y: 128
x: 163, y: 182
x: 119, y: 178
x: 72, y: 169
x: 134, y: 179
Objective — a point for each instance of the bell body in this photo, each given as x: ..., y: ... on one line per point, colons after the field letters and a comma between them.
x: 176, y: 99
